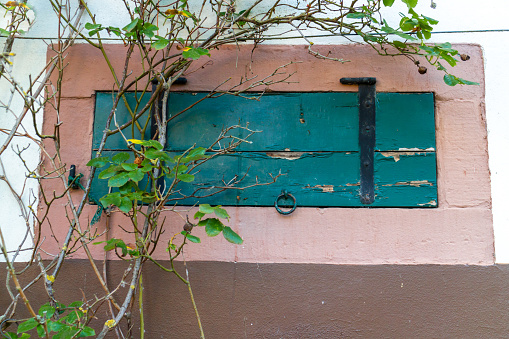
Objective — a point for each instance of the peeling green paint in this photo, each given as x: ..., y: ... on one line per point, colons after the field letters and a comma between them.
x: 311, y: 139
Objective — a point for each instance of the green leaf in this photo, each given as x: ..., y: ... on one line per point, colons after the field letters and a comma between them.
x: 221, y: 213
x: 190, y: 237
x: 4, y: 32
x: 136, y: 175
x: 126, y: 188
x: 152, y: 143
x: 450, y: 60
x: 129, y: 167
x: 206, y: 209
x: 185, y: 177
x: 87, y: 332
x: 440, y: 67
x: 146, y: 165
x: 110, y: 171
x: 160, y: 43
x: 114, y: 30
x: 399, y: 44
x: 156, y: 154
x: 90, y: 26
x: 120, y: 244
x: 40, y: 331
x: 125, y: 205
x: 388, y: 3
x: 132, y: 25
x: 213, y: 227
x: 46, y: 311
x: 120, y: 158
x: 194, y: 53
x: 60, y: 308
x: 391, y: 30
x: 149, y: 198
x: 466, y: 82
x: 406, y: 24
x: 12, y: 335
x: 423, y: 23
x: 181, y: 169
x: 113, y: 243
x: 428, y: 49
x: 54, y: 326
x: 198, y: 215
x: 191, y: 54
x: 149, y: 29
x: 446, y: 47
x: 138, y: 195
x: 404, y: 36
x: 66, y: 333
x: 231, y: 236
x: 98, y: 162
x: 27, y: 325
x: 153, y: 154
x: 196, y: 154
x: 119, y: 179
x: 370, y: 37
x: 451, y: 80
x: 430, y: 20
x: 111, y: 199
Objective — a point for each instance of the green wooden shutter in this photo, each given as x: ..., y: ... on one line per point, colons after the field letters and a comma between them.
x: 311, y: 138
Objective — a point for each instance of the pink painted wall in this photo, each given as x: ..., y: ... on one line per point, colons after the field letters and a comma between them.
x: 459, y: 231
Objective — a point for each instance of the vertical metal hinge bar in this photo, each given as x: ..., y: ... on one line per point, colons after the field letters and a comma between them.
x: 367, y: 115
x: 367, y: 136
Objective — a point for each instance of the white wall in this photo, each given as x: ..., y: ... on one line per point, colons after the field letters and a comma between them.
x: 460, y: 16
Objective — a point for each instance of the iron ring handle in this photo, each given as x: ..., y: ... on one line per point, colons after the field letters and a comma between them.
x: 286, y: 195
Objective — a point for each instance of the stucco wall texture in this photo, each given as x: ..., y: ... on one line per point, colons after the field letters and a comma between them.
x: 459, y: 231
x: 289, y: 301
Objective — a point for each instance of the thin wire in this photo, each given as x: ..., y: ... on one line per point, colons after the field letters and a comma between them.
x: 289, y: 37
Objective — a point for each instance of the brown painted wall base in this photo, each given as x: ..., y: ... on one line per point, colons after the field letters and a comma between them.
x: 240, y: 300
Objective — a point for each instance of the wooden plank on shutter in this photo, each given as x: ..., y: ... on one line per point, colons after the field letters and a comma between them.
x: 405, y: 179
x: 203, y: 123
x: 315, y: 179
x: 405, y: 121
x: 103, y: 105
x: 287, y: 121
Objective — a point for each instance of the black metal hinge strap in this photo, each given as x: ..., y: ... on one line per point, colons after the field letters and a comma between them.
x: 367, y: 124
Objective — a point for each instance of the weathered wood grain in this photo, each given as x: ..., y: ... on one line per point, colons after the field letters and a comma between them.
x: 310, y: 138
